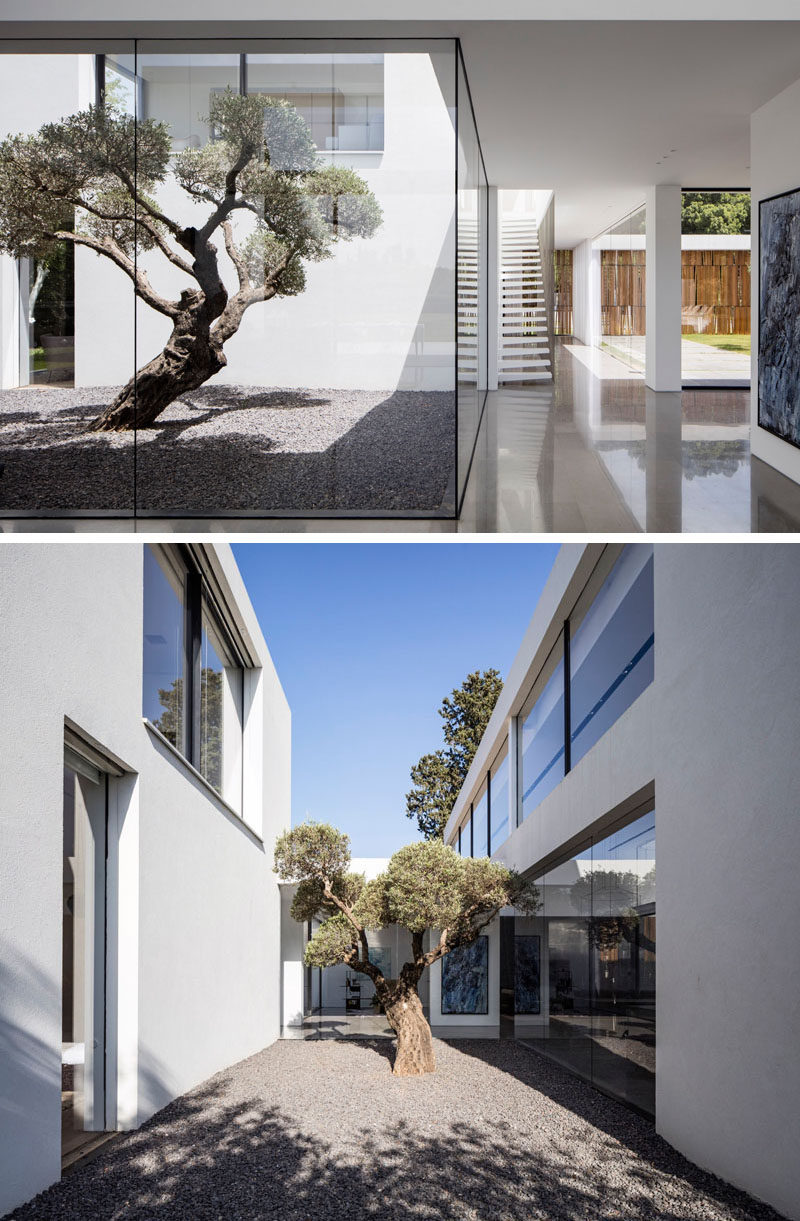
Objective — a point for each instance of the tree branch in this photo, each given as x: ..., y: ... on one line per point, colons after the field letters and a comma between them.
x: 109, y: 249
x: 235, y: 257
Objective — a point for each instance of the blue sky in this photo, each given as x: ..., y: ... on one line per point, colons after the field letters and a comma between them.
x: 368, y: 638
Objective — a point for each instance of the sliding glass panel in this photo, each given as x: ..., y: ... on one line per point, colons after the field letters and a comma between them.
x: 622, y: 293
x: 500, y: 795
x: 66, y: 284
x: 541, y: 737
x: 480, y: 824
x: 715, y: 301
x: 596, y: 962
x: 471, y: 280
x: 220, y: 748
x: 326, y: 382
x: 611, y: 652
x: 622, y: 936
x: 164, y: 656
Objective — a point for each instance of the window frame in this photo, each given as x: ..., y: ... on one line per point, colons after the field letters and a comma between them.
x: 201, y: 613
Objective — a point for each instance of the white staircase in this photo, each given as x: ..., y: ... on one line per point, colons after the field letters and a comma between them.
x: 468, y: 299
x: 523, y: 346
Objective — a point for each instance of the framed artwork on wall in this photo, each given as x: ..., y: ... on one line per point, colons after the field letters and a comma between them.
x: 465, y: 979
x: 527, y: 973
x: 779, y: 316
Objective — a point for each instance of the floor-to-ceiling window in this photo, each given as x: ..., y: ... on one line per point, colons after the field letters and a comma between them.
x: 622, y: 289
x: 589, y: 963
x: 345, y: 366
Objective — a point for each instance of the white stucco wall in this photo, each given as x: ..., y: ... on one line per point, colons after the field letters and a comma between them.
x: 193, y: 897
x: 378, y: 315
x: 727, y: 846
x: 774, y: 155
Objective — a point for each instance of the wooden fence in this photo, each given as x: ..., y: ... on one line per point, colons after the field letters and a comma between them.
x: 715, y: 292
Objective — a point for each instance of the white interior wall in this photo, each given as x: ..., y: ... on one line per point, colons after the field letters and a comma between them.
x: 586, y: 293
x: 378, y: 315
x: 774, y: 157
x: 728, y: 842
x: 192, y: 892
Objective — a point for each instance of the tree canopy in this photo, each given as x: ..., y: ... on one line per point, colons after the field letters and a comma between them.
x: 715, y: 212
x: 443, y: 900
x: 438, y: 777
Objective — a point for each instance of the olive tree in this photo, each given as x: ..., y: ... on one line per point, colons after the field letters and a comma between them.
x: 257, y: 187
x: 442, y: 899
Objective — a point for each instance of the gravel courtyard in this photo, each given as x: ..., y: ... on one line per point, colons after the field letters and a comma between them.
x: 320, y: 1131
x: 230, y: 449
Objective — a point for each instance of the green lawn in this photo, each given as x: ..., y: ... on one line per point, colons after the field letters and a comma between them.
x: 728, y: 343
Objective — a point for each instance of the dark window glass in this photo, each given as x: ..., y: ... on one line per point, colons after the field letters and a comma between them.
x: 163, y: 685
x: 480, y: 825
x: 212, y: 678
x: 542, y: 738
x: 499, y: 799
x: 597, y: 921
x: 611, y: 653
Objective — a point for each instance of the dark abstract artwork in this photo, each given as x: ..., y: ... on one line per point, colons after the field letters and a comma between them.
x: 381, y: 957
x: 465, y: 979
x: 779, y: 316
x: 527, y: 959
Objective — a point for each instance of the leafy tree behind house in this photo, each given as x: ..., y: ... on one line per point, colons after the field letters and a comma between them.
x: 438, y: 777
x: 442, y: 899
x: 91, y: 180
x: 715, y: 212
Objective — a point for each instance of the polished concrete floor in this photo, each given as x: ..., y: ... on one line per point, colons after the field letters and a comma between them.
x: 596, y: 451
x: 593, y: 451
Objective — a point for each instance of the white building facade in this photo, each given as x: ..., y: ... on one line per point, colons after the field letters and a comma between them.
x: 641, y: 764
x: 146, y: 775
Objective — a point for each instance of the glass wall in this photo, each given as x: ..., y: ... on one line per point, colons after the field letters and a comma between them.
x: 336, y: 336
x: 610, y: 662
x: 622, y: 289
x: 480, y: 823
x: 472, y: 284
x: 541, y: 734
x: 50, y: 390
x: 611, y: 650
x: 499, y: 798
x: 715, y: 290
x: 597, y: 924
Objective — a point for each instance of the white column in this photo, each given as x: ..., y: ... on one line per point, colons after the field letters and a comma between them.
x: 663, y: 340
x: 493, y: 286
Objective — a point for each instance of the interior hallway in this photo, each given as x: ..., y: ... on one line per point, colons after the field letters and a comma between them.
x: 596, y: 451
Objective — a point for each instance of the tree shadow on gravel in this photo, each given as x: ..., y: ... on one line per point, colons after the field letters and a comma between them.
x: 617, y: 1121
x: 205, y: 1156
x: 396, y: 458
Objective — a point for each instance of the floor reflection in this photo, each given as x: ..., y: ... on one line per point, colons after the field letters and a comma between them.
x: 595, y: 452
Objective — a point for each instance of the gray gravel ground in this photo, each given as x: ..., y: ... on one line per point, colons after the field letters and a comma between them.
x: 228, y: 448
x: 319, y: 1130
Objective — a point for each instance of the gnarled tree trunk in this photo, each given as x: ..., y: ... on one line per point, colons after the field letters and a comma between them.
x: 414, y: 1040
x: 189, y: 359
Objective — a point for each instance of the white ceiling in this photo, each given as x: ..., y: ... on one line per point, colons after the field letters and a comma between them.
x: 591, y: 108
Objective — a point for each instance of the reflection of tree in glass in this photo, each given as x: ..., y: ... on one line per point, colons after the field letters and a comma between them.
x: 170, y: 723
x: 91, y: 180
x: 211, y: 727
x: 613, y: 892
